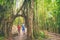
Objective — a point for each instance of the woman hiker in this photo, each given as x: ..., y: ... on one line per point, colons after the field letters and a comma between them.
x: 19, y: 27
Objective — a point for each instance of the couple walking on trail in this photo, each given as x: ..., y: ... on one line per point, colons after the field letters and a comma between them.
x: 23, y: 28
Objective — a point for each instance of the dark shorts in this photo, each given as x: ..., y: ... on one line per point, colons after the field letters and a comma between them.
x: 23, y: 30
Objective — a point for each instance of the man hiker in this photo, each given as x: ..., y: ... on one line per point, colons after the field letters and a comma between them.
x: 23, y: 28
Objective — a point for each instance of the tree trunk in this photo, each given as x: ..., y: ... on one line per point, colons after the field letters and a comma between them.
x: 10, y: 29
x: 10, y: 24
x: 7, y: 24
x: 30, y: 22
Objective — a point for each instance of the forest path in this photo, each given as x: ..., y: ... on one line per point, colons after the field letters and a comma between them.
x: 21, y: 36
x: 52, y: 36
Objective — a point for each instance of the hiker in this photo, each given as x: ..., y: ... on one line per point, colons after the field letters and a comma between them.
x: 19, y: 27
x: 23, y: 28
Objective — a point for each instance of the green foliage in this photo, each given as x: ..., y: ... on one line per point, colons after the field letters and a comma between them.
x: 6, y: 7
x: 42, y: 34
x: 36, y: 35
x: 1, y: 37
x: 18, y: 20
x: 46, y: 16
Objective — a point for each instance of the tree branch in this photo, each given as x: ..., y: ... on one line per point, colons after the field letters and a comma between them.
x: 21, y: 7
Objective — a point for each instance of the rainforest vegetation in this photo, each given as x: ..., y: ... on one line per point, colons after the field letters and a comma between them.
x: 41, y: 17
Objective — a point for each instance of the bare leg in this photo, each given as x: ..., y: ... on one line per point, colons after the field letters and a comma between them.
x: 24, y: 32
x: 18, y: 32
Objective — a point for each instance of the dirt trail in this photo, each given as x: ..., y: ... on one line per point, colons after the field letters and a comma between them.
x: 21, y: 36
x: 53, y: 36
